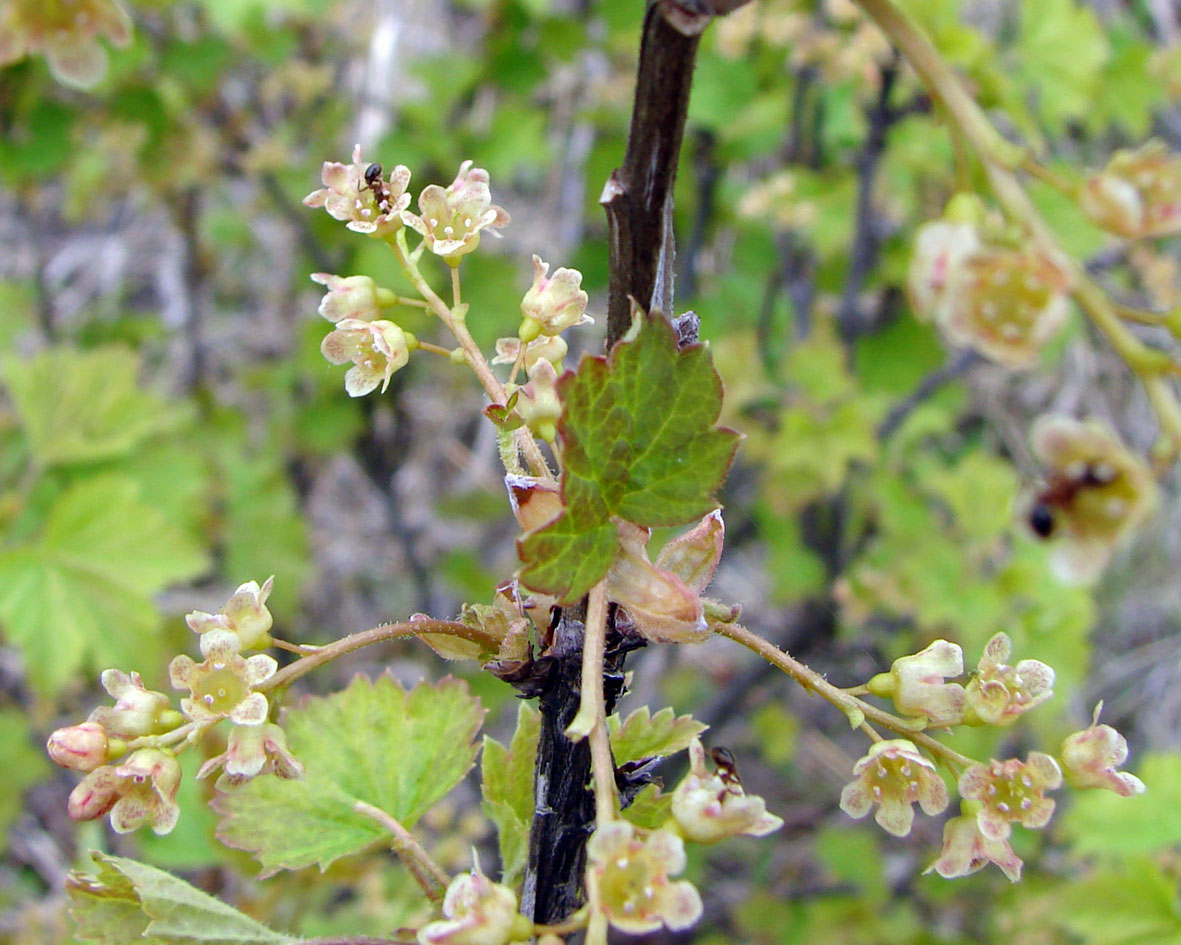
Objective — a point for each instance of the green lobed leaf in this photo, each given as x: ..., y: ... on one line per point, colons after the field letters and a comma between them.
x: 508, y: 790
x: 79, y: 406
x: 638, y: 443
x: 126, y: 901
x: 373, y: 741
x: 1061, y: 50
x: 80, y: 593
x: 642, y: 735
x: 650, y: 809
x: 1136, y: 906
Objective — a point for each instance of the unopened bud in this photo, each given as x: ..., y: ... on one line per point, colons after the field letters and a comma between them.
x: 79, y: 747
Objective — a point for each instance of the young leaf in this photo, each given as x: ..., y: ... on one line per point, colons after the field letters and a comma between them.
x: 79, y: 406
x: 508, y: 790
x: 126, y: 901
x: 638, y: 443
x: 82, y: 591
x: 375, y: 742
x: 650, y: 809
x: 651, y: 736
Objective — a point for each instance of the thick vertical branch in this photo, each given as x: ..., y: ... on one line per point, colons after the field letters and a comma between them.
x: 638, y: 196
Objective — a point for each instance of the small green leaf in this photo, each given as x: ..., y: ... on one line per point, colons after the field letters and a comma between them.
x: 508, y: 790
x: 1061, y: 50
x: 126, y: 901
x: 375, y: 742
x: 79, y: 406
x: 81, y: 592
x: 638, y: 443
x: 651, y: 736
x: 650, y: 809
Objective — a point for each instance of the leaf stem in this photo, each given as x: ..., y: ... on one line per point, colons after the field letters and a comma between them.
x: 426, y: 872
x: 591, y: 719
x: 387, y: 631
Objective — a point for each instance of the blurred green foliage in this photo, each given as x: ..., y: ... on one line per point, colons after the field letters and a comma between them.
x: 142, y: 450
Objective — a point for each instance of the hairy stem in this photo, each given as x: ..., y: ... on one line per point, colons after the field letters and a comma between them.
x: 426, y: 872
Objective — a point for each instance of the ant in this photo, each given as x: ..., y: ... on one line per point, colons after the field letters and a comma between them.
x: 381, y: 190
x: 1061, y: 491
x: 727, y: 768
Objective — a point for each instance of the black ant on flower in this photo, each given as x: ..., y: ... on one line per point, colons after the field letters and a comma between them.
x: 1061, y: 491
x: 381, y: 190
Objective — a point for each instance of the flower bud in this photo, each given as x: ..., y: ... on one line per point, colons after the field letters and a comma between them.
x: 1090, y: 759
x: 538, y: 403
x: 356, y: 297
x: 137, y: 711
x: 915, y: 683
x: 79, y: 747
x: 553, y: 303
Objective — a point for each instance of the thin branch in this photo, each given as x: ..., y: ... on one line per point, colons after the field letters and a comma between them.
x: 928, y: 386
x: 426, y: 872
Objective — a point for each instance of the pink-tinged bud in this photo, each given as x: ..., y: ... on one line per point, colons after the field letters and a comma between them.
x: 1090, y: 759
x: 377, y: 349
x: 79, y: 747
x: 663, y: 608
x: 1012, y: 791
x: 1138, y: 194
x: 95, y: 795
x: 998, y: 693
x: 355, y: 297
x: 1097, y: 492
x: 248, y: 616
x: 916, y: 685
x: 553, y: 303
x: 893, y: 775
x: 628, y: 884
x: 708, y: 808
x: 966, y: 850
x: 137, y: 711
x: 451, y: 220
x: 478, y: 912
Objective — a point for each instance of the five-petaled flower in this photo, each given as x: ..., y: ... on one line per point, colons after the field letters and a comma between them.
x: 708, y: 808
x: 1097, y: 492
x: 916, y: 685
x: 998, y: 692
x: 894, y: 776
x: 67, y: 34
x: 1090, y: 759
x: 377, y: 349
x: 222, y: 686
x: 628, y: 885
x: 245, y: 615
x: 477, y: 912
x: 346, y: 195
x: 139, y: 791
x: 966, y: 849
x: 1011, y: 791
x: 252, y: 750
x: 553, y: 303
x: 451, y: 219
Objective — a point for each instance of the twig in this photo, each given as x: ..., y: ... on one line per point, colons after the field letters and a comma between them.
x: 926, y: 387
x: 591, y: 719
x: 426, y: 872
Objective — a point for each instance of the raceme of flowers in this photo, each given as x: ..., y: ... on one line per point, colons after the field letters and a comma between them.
x: 128, y: 751
x: 894, y: 774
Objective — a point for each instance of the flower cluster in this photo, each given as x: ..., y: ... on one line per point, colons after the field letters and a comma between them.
x: 894, y: 775
x: 125, y: 749
x: 1004, y: 301
x: 1096, y: 493
x: 66, y: 33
